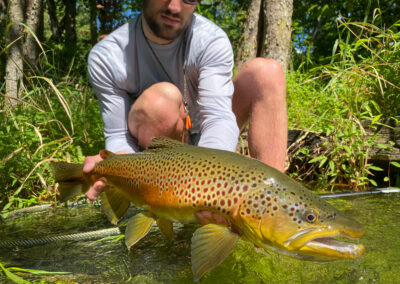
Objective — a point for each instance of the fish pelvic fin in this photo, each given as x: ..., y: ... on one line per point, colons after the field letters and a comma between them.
x: 166, y: 228
x: 138, y: 227
x: 69, y: 177
x: 114, y: 205
x: 211, y: 244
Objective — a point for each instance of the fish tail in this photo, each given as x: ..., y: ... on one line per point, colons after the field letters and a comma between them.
x: 70, y: 178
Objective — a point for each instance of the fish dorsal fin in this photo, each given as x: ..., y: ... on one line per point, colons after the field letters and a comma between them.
x: 114, y: 205
x: 164, y: 142
x: 138, y: 227
x: 211, y: 244
x: 166, y: 227
x: 105, y: 154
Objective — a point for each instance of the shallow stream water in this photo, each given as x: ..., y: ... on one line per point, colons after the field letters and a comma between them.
x: 156, y: 260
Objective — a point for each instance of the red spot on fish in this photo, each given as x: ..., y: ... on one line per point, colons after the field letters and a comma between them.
x: 208, y: 197
x: 215, y: 202
x: 248, y: 211
x: 230, y: 190
x: 222, y: 202
x: 205, y: 189
x: 193, y: 190
x: 284, y: 206
x: 225, y: 184
x: 245, y: 188
x: 235, y: 200
x: 218, y: 185
x: 268, y: 198
x: 229, y: 202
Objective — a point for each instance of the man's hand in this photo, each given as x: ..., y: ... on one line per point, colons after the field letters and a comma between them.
x: 99, y: 185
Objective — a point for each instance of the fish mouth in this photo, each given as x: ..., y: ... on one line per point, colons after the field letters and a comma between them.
x: 322, y: 244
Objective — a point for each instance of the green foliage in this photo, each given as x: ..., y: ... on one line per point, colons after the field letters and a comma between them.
x: 316, y: 23
x: 361, y: 82
x: 54, y: 120
x: 9, y: 273
x: 228, y: 15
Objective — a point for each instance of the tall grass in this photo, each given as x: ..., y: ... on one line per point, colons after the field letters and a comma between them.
x: 362, y: 82
x: 57, y: 117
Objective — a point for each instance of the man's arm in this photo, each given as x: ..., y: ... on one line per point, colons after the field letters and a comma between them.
x: 219, y: 128
x: 104, y: 73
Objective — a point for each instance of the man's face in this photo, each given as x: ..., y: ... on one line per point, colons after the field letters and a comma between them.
x: 167, y: 18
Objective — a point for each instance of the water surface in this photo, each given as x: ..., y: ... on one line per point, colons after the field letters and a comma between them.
x: 156, y: 260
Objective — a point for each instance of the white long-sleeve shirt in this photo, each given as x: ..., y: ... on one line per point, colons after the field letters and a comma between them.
x: 121, y: 67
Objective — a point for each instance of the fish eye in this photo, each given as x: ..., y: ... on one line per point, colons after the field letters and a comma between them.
x: 311, y: 216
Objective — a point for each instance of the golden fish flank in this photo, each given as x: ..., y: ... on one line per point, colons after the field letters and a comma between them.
x: 173, y: 181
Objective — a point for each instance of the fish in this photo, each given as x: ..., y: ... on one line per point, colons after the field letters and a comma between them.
x: 171, y: 181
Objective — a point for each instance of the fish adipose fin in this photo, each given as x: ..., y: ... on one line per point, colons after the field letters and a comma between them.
x: 138, y: 227
x: 166, y: 228
x: 164, y: 142
x: 114, y: 205
x: 211, y: 244
x: 69, y: 177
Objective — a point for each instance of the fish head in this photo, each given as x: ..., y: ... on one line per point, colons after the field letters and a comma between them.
x: 285, y: 216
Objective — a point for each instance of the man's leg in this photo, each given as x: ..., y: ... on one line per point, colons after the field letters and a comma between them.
x: 260, y: 99
x: 159, y: 111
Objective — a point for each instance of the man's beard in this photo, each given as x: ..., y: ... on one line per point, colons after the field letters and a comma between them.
x: 164, y: 32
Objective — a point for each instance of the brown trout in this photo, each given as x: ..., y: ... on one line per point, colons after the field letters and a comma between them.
x: 171, y: 181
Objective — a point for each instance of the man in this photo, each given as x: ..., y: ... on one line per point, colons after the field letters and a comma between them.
x: 174, y: 64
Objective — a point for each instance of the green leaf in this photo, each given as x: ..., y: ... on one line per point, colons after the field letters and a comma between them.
x: 374, y: 168
x: 383, y: 146
x: 317, y: 159
x: 376, y: 118
x: 396, y: 164
x: 373, y: 182
x: 13, y: 277
x: 36, y: 272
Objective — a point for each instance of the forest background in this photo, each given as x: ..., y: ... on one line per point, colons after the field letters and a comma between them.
x: 342, y: 62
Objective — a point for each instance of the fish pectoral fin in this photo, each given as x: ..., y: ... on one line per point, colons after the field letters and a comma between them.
x: 211, y: 244
x: 114, y: 205
x: 166, y: 228
x: 138, y: 227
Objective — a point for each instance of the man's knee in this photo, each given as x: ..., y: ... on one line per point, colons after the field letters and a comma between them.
x: 263, y: 68
x: 157, y: 112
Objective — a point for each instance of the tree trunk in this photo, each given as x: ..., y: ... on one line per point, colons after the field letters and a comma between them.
x: 54, y: 25
x: 34, y: 20
x: 70, y: 28
x: 249, y: 41
x: 3, y: 15
x: 93, y: 21
x: 3, y: 12
x: 14, y: 64
x: 277, y: 30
